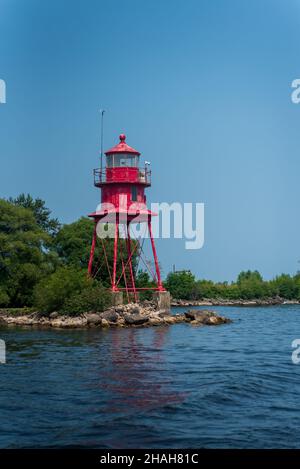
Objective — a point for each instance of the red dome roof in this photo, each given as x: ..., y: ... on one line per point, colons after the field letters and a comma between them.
x: 122, y: 147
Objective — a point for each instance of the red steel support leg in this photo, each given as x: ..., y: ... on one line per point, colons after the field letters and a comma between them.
x: 130, y: 262
x: 114, y: 288
x: 90, y: 266
x: 159, y: 282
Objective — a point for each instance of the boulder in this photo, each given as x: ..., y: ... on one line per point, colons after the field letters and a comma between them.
x: 93, y: 319
x: 179, y: 317
x: 205, y: 317
x: 120, y: 322
x: 78, y: 321
x: 155, y: 321
x: 134, y: 309
x: 169, y: 320
x: 216, y: 320
x: 53, y: 315
x: 199, y: 315
x: 213, y: 320
x: 110, y: 316
x: 136, y: 319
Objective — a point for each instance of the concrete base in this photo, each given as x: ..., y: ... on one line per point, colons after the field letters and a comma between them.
x: 116, y: 298
x: 162, y: 301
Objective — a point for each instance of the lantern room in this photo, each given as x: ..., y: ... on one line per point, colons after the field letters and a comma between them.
x: 123, y: 181
x: 122, y: 165
x: 122, y: 155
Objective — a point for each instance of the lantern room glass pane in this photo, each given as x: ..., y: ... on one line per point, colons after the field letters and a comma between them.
x: 122, y: 160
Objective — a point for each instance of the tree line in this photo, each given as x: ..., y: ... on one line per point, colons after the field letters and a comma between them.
x: 249, y: 286
x: 43, y: 264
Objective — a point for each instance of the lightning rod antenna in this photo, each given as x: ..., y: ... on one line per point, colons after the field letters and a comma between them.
x: 102, y: 111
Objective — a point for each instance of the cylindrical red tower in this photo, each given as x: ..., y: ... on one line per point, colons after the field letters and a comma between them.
x: 123, y: 201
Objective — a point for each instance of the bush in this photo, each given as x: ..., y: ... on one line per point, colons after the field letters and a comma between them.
x: 68, y: 290
x: 180, y: 284
x: 52, y: 292
x: 93, y: 298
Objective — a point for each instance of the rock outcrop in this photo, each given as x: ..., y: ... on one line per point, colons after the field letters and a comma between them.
x: 131, y: 315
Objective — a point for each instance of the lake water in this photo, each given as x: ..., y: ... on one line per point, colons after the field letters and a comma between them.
x: 180, y: 386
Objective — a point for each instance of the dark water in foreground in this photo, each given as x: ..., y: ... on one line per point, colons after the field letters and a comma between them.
x: 180, y: 386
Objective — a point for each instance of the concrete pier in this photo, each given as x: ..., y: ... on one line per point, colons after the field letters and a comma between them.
x: 162, y: 300
x: 116, y: 298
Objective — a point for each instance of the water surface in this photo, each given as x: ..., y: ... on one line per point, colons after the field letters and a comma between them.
x: 180, y: 386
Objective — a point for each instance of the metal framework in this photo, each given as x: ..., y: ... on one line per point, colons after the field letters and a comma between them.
x: 126, y: 280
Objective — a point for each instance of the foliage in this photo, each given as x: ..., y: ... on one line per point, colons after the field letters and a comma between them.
x: 143, y: 280
x: 51, y: 293
x: 286, y: 286
x: 251, y: 285
x: 23, y: 259
x: 73, y: 244
x: 24, y: 311
x: 180, y: 284
x: 252, y: 276
x: 93, y: 298
x: 4, y: 298
x: 40, y: 211
x: 69, y: 290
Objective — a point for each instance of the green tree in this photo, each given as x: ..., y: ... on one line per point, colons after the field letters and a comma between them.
x: 204, y: 289
x: 94, y: 298
x: 40, y: 211
x: 143, y: 280
x: 251, y: 285
x: 73, y: 244
x: 180, y: 284
x: 285, y: 286
x: 232, y: 292
x: 23, y: 258
x: 249, y: 275
x: 296, y: 279
x: 69, y: 290
x: 51, y: 293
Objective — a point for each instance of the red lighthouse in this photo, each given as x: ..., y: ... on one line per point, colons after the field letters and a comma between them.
x: 123, y: 202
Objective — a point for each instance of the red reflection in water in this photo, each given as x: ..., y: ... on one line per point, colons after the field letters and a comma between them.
x: 135, y: 377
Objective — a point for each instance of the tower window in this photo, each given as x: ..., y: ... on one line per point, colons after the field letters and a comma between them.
x: 134, y: 194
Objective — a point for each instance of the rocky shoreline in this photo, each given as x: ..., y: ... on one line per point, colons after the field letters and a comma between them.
x: 131, y: 315
x: 239, y: 302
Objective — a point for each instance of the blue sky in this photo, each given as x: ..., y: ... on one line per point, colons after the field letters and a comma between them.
x: 201, y: 87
